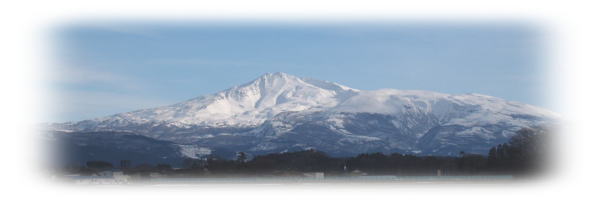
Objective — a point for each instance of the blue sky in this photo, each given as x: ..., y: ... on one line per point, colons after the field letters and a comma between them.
x: 107, y: 68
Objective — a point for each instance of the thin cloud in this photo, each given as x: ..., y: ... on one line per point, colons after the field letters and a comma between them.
x: 124, y: 29
x: 80, y: 76
x: 80, y: 105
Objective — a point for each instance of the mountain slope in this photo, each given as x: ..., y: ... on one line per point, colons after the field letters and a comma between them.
x: 280, y: 112
x: 79, y: 147
x: 246, y: 105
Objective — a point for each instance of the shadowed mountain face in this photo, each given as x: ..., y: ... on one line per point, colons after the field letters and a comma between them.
x: 78, y: 148
x: 279, y: 112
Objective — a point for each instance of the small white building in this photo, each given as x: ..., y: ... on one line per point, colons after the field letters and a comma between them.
x: 155, y: 175
x: 104, y: 177
x: 120, y: 177
x: 315, y: 175
x: 358, y: 173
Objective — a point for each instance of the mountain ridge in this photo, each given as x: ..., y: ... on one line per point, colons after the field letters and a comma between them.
x: 278, y: 112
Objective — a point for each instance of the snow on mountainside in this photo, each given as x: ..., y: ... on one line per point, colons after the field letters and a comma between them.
x: 280, y: 112
x: 246, y: 105
x: 466, y: 109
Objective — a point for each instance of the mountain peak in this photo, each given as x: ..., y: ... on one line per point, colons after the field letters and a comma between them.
x: 279, y: 88
x: 249, y: 104
x: 281, y: 78
x: 277, y: 77
x: 277, y: 74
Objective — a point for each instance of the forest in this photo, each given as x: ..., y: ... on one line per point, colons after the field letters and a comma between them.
x: 523, y: 155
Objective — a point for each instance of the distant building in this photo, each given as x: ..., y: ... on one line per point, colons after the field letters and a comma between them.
x: 315, y: 175
x: 106, y: 173
x: 357, y: 173
x: 125, y: 164
x: 155, y: 175
x: 120, y: 177
x: 378, y: 178
x: 94, y: 180
x: 104, y: 177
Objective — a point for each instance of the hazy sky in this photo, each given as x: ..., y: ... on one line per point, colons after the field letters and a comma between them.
x: 107, y: 68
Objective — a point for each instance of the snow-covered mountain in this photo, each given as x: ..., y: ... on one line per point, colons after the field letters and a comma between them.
x: 280, y: 112
x: 247, y: 105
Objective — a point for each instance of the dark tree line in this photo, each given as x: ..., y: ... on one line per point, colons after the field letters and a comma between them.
x: 522, y: 154
x: 296, y: 163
